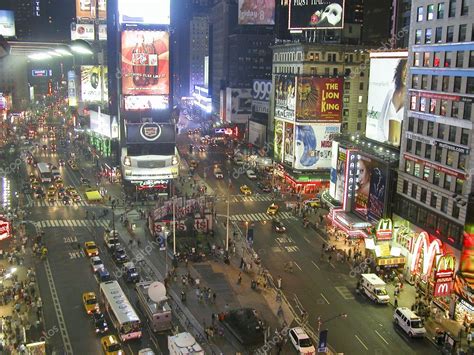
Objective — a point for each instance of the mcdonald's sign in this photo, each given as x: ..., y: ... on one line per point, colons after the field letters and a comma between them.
x: 445, y: 267
x: 384, y: 229
x: 429, y: 249
x: 443, y: 288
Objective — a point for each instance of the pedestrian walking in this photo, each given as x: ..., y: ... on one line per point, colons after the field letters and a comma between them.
x: 214, y: 296
x: 395, y: 301
x: 239, y: 280
x: 469, y: 339
x: 279, y: 282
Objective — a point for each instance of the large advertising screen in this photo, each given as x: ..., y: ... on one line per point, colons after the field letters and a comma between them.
x: 288, y: 143
x: 7, y: 23
x: 149, y: 12
x: 340, y: 174
x: 257, y: 133
x: 92, y: 83
x: 238, y: 105
x: 145, y: 103
x: 313, y: 146
x: 150, y: 132
x: 370, y: 188
x: 256, y: 12
x: 102, y: 9
x: 145, y: 63
x: 319, y: 99
x: 82, y: 31
x: 86, y: 9
x: 100, y: 123
x: 278, y: 141
x: 285, y: 96
x: 261, y: 91
x: 71, y: 88
x: 387, y: 95
x: 315, y: 14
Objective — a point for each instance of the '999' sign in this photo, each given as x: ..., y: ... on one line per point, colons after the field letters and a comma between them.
x: 261, y: 90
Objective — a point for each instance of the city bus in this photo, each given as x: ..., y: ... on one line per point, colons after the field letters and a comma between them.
x: 44, y: 172
x: 121, y: 312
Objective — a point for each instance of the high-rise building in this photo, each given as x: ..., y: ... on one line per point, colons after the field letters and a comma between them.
x: 435, y: 173
x: 198, y: 50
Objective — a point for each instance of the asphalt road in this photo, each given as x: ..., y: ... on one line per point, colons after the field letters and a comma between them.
x: 324, y: 290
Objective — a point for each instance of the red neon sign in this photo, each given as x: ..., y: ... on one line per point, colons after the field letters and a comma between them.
x: 5, y: 228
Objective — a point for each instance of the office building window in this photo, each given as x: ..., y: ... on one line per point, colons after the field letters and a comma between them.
x: 464, y: 7
x: 438, y: 154
x: 462, y: 161
x: 444, y: 204
x: 417, y: 170
x: 434, y: 82
x: 445, y: 85
x: 457, y: 84
x: 426, y: 59
x: 418, y: 149
x: 415, y: 79
x: 452, y: 133
x: 438, y: 34
x: 448, y: 179
x: 413, y: 102
x: 432, y: 105
x: 450, y: 156
x: 405, y: 187
x: 441, y: 130
x: 429, y: 131
x: 440, y: 10
x: 470, y: 85
x: 416, y: 59
x: 347, y: 85
x: 424, y: 82
x: 418, y: 37
x: 430, y: 12
x: 423, y: 195
x: 428, y: 151
x: 431, y: 219
x: 465, y: 136
x: 436, y: 59
x: 434, y: 200
x: 462, y: 33
x: 443, y: 107
x: 459, y: 186
x: 467, y: 111
x: 452, y: 8
x: 420, y: 126
x: 426, y: 173
x: 436, y: 177
x: 455, y: 109
x: 449, y: 34
x: 459, y: 59
x: 419, y: 14
x: 471, y: 56
x: 409, y: 144
x: 414, y: 190
x: 428, y: 35
x: 456, y: 210
x: 411, y: 124
x: 448, y: 59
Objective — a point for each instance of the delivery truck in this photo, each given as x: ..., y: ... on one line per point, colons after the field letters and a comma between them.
x: 374, y: 287
x: 184, y: 344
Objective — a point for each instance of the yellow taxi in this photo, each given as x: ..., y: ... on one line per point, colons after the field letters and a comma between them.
x: 52, y: 189
x: 272, y: 209
x: 59, y: 183
x: 35, y: 185
x: 111, y: 345
x: 32, y: 177
x: 74, y: 167
x: 245, y: 190
x: 313, y: 202
x: 91, y: 248
x: 89, y: 300
x: 70, y: 190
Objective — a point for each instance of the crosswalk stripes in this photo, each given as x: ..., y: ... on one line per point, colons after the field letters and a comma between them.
x: 260, y: 217
x: 253, y: 198
x: 61, y: 223
x: 43, y: 203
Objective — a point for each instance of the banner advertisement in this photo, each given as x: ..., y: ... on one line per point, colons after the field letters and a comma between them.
x: 102, y: 9
x: 319, y: 99
x: 239, y: 105
x: 285, y: 96
x: 92, y: 83
x: 387, y: 95
x: 145, y: 63
x: 100, y: 123
x: 150, y: 132
x: 257, y: 134
x: 256, y: 12
x: 261, y: 90
x: 102, y: 31
x: 7, y: 23
x: 146, y: 12
x: 340, y: 174
x: 278, y: 140
x: 82, y: 31
x: 320, y: 14
x: 71, y: 88
x: 86, y: 9
x: 288, y: 143
x: 313, y: 146
x: 145, y: 103
x: 370, y: 188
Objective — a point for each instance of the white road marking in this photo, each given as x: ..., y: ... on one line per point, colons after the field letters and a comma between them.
x: 360, y: 341
x: 316, y: 265
x: 381, y: 337
x: 332, y: 265
x: 307, y: 240
x: 294, y: 262
x: 324, y: 298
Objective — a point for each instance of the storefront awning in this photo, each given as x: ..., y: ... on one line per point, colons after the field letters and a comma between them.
x: 350, y: 223
x: 391, y: 261
x: 310, y: 178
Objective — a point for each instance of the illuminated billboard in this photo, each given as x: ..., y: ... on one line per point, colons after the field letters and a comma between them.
x: 102, y: 9
x: 82, y: 31
x: 238, y: 105
x: 150, y: 12
x: 150, y: 132
x: 313, y: 146
x: 71, y: 88
x: 285, y: 96
x: 315, y: 14
x: 86, y: 9
x: 387, y: 95
x: 256, y: 12
x: 319, y: 99
x: 145, y: 63
x: 102, y: 32
x: 7, y: 23
x: 146, y: 103
x: 92, y: 83
x: 288, y: 143
x: 370, y: 188
x: 278, y: 140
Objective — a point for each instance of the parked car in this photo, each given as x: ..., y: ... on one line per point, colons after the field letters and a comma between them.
x: 130, y: 272
x: 301, y: 341
x: 119, y: 255
x: 96, y: 263
x: 100, y: 323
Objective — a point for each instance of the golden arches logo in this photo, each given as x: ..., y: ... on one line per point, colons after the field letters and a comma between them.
x: 430, y: 250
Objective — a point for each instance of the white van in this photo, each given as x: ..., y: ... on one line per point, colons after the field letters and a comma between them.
x: 374, y: 287
x: 409, y: 322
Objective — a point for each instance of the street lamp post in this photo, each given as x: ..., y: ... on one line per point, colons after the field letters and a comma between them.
x: 227, y: 223
x: 321, y: 322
